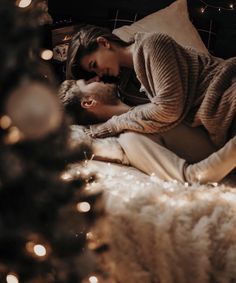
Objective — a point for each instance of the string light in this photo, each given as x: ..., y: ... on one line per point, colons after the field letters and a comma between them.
x: 203, y: 9
x: 83, y: 206
x: 46, y: 54
x: 93, y: 242
x: 11, y: 278
x: 40, y: 250
x: 66, y: 176
x: 36, y: 249
x: 93, y: 279
x: 89, y: 236
x: 5, y: 122
x: 13, y: 136
x: 23, y: 3
x: 219, y: 8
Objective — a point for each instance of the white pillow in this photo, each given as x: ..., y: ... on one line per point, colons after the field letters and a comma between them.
x: 172, y: 20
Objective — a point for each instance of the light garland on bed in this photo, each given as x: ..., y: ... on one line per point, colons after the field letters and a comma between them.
x: 230, y: 7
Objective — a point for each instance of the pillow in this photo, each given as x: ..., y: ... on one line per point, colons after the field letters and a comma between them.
x: 172, y: 20
x: 106, y: 149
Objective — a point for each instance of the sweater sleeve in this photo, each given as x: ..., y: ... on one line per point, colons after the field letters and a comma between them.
x: 162, y: 66
x: 143, y: 118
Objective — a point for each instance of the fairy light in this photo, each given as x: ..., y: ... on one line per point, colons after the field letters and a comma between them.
x: 66, y: 176
x: 36, y: 249
x: 93, y: 279
x: 46, y: 54
x: 29, y: 246
x: 23, y: 3
x: 5, y: 122
x: 13, y: 136
x: 83, y: 206
x: 90, y: 236
x: 92, y: 245
x: 93, y: 241
x: 40, y: 250
x: 219, y: 8
x: 202, y: 10
x: 11, y: 278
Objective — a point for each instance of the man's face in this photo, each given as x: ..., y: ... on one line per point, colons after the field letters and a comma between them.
x: 102, y: 92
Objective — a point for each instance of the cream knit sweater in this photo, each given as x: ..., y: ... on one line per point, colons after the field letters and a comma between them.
x: 182, y: 85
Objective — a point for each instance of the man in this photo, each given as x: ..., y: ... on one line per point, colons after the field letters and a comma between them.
x: 96, y: 102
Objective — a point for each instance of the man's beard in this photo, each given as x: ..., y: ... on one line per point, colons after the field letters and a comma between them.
x: 109, y: 95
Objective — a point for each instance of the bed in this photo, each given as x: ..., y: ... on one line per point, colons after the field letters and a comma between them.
x: 159, y: 231
x: 162, y: 231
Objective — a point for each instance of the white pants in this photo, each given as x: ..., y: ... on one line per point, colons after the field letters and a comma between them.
x: 169, y: 156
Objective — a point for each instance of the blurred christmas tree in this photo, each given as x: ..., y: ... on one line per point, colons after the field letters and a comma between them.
x: 45, y: 216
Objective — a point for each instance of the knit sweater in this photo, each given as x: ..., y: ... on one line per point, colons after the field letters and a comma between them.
x: 182, y: 85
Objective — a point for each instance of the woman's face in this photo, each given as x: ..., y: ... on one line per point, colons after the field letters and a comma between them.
x: 104, y: 61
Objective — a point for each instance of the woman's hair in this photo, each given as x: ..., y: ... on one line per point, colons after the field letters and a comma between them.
x: 84, y: 42
x: 71, y: 96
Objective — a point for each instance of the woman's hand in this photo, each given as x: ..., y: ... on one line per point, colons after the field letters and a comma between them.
x: 100, y: 131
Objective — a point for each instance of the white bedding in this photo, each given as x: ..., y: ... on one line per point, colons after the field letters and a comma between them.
x: 164, y: 231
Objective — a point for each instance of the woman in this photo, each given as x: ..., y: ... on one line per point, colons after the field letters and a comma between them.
x: 182, y: 85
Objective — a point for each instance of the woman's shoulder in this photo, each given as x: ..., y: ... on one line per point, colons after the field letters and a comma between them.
x: 155, y: 39
x: 155, y: 36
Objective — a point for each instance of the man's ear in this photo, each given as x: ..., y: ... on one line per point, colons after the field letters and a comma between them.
x: 103, y: 41
x: 88, y: 103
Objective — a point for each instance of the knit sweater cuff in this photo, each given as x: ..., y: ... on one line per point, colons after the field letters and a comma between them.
x: 106, y: 129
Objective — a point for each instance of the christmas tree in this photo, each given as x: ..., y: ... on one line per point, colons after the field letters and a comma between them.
x: 45, y: 214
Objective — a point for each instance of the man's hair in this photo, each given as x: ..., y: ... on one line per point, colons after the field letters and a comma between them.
x: 71, y: 97
x: 84, y: 42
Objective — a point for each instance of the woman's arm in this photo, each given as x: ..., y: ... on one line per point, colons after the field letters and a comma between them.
x: 146, y: 118
x: 164, y: 73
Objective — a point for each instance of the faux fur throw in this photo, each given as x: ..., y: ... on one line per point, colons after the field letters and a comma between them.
x: 164, y: 232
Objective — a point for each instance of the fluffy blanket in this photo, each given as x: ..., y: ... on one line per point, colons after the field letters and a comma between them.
x: 163, y: 231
